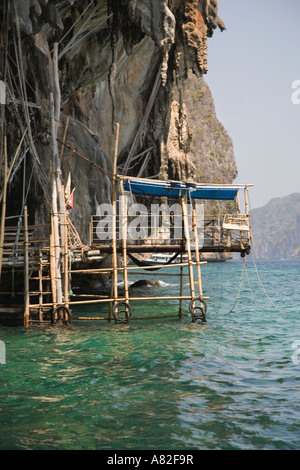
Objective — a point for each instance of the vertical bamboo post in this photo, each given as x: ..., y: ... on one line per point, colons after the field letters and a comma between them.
x: 197, y: 254
x: 66, y: 260
x: 57, y: 195
x: 52, y: 264
x: 114, y: 220
x: 247, y: 215
x: 188, y: 243
x: 55, y: 215
x: 124, y: 240
x: 64, y: 139
x: 111, y: 296
x: 2, y: 229
x: 181, y: 288
x: 238, y: 203
x: 41, y: 287
x: 26, y: 270
x: 246, y: 201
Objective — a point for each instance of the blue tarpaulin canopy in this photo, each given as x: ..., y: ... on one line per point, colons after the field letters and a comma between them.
x: 174, y: 189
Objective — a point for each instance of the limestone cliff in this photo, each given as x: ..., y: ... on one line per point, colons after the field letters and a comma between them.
x: 276, y: 228
x: 119, y: 61
x: 211, y: 147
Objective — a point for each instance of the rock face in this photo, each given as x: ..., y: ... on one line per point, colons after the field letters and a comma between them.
x: 276, y: 228
x: 211, y: 147
x: 118, y: 61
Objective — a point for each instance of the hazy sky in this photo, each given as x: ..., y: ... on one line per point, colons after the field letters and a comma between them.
x: 252, y: 66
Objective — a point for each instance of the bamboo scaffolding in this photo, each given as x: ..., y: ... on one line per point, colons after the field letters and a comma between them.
x: 56, y: 255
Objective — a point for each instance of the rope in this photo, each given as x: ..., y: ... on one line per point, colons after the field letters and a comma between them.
x: 258, y: 277
x: 252, y: 295
x: 239, y: 291
x: 106, y: 172
x: 264, y: 290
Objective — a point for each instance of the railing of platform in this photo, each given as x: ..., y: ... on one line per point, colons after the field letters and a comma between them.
x: 220, y: 230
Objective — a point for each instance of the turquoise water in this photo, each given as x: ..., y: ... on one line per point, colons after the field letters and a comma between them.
x: 232, y: 383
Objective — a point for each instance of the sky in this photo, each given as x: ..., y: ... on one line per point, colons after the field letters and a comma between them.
x: 251, y: 69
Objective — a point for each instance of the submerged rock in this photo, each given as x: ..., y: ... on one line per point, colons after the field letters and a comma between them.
x: 144, y: 283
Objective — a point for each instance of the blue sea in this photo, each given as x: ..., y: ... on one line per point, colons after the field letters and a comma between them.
x: 170, y: 384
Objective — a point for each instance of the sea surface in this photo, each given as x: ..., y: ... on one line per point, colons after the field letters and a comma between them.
x: 169, y: 384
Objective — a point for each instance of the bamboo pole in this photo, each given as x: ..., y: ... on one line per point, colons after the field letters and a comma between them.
x: 111, y: 298
x: 16, y: 154
x: 55, y: 216
x: 64, y: 139
x: 155, y: 317
x: 142, y: 268
x: 66, y: 261
x: 52, y: 264
x: 121, y: 299
x: 41, y: 286
x: 135, y: 273
x: 114, y: 221
x: 124, y: 240
x: 149, y: 107
x: 26, y: 270
x: 197, y: 254
x: 129, y: 268
x: 2, y: 229
x: 246, y: 201
x: 238, y: 203
x: 188, y: 243
x: 60, y: 190
x: 181, y: 289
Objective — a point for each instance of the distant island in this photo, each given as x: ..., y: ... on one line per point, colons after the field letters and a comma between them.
x: 276, y: 228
